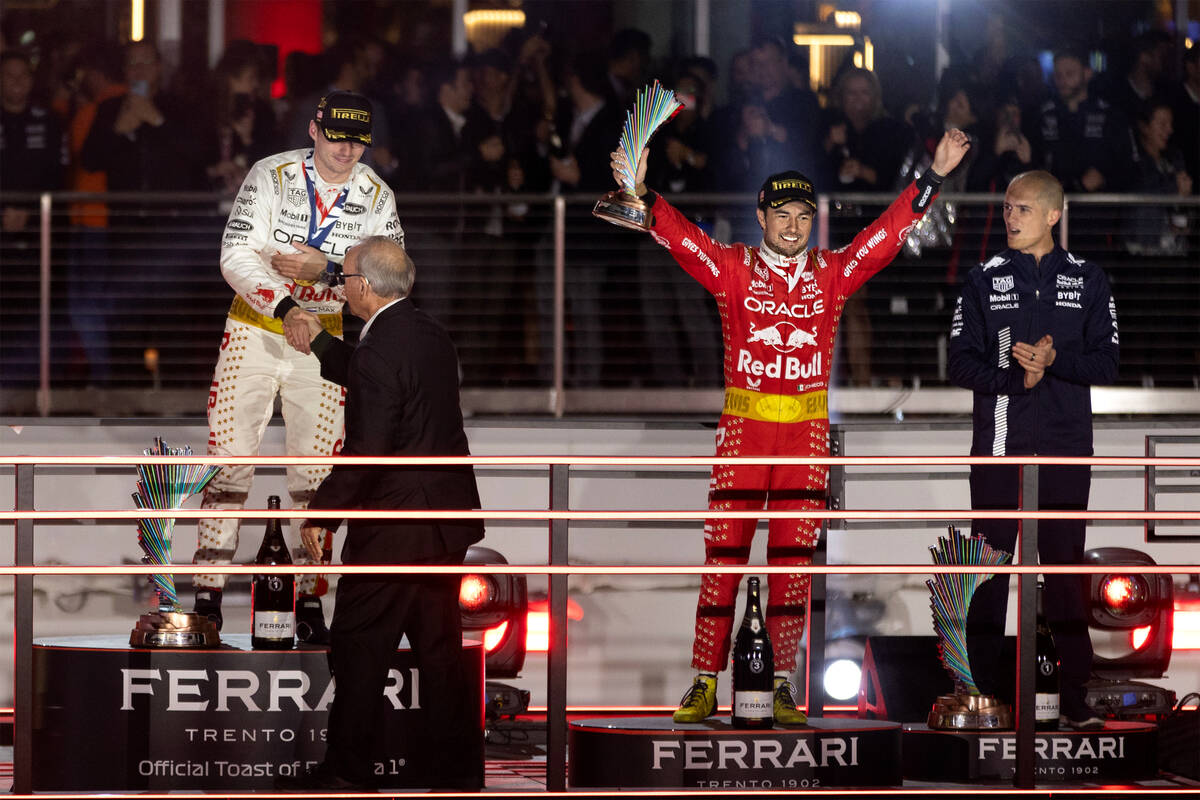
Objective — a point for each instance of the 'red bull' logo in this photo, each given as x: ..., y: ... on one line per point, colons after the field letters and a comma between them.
x: 264, y: 295
x: 782, y: 336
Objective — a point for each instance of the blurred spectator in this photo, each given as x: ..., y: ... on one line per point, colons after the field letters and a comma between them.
x: 1156, y: 287
x: 348, y: 68
x: 681, y: 342
x: 727, y: 118
x: 495, y: 136
x: 628, y: 58
x: 865, y: 148
x: 1081, y: 140
x: 243, y: 123
x: 587, y: 129
x: 33, y: 151
x: 1185, y: 106
x: 446, y: 157
x: 89, y: 286
x: 33, y: 158
x: 408, y: 102
x: 792, y: 114
x: 1144, y: 77
x: 444, y: 163
x: 144, y: 139
x: 907, y: 305
x: 704, y: 70
x: 1004, y: 152
x: 1158, y: 169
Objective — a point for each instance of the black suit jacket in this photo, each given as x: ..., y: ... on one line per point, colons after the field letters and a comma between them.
x: 402, y: 400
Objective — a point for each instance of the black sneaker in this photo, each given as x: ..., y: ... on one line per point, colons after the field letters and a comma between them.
x: 310, y: 620
x: 208, y: 604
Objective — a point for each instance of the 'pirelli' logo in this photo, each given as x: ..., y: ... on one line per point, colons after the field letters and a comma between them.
x: 352, y: 114
x: 791, y: 183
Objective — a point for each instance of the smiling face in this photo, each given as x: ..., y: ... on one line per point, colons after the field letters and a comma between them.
x: 786, y: 229
x: 1029, y: 218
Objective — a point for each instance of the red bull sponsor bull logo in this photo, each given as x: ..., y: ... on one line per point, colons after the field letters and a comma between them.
x: 783, y: 336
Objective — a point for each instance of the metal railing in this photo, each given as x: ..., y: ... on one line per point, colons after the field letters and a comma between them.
x: 559, y: 567
x: 551, y: 309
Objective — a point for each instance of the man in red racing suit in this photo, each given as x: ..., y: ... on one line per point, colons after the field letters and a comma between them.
x: 780, y: 304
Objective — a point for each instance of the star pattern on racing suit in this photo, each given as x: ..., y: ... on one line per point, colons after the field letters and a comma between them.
x: 255, y: 362
x: 779, y: 319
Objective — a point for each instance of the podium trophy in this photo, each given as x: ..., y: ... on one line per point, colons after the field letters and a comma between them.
x: 168, y: 486
x: 951, y: 595
x: 653, y: 106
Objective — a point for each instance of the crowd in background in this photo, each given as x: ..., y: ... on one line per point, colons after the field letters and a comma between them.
x: 527, y: 117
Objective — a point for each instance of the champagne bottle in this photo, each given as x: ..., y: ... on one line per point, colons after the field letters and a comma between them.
x: 1046, y: 683
x: 273, y: 597
x: 753, y: 667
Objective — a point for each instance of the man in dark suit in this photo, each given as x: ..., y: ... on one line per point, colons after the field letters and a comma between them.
x: 402, y: 400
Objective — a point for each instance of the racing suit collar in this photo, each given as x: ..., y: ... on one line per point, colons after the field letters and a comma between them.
x: 790, y: 269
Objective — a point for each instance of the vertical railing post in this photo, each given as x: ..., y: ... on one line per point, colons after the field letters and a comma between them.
x: 43, y: 394
x: 814, y: 690
x: 1063, y: 226
x: 556, y: 667
x: 557, y: 400
x: 1027, y: 631
x: 23, y: 639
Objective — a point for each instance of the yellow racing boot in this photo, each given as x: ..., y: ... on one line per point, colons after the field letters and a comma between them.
x: 786, y: 712
x: 699, y: 702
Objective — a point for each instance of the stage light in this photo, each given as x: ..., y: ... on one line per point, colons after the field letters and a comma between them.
x: 494, y: 607
x: 842, y: 679
x: 1131, y: 615
x: 1120, y: 604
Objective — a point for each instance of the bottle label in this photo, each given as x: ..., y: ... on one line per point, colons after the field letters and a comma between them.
x: 753, y: 705
x: 1045, y: 707
x: 274, y: 624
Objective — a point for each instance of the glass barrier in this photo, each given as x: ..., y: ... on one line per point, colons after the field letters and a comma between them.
x: 136, y: 300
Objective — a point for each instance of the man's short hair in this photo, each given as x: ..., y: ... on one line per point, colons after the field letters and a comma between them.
x: 1072, y: 51
x: 386, y: 266
x: 1048, y: 187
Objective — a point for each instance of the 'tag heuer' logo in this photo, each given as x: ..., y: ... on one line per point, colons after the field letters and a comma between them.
x: 1002, y: 283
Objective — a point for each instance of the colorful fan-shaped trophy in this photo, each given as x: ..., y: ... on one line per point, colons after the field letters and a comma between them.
x: 653, y: 106
x: 165, y: 486
x: 950, y: 600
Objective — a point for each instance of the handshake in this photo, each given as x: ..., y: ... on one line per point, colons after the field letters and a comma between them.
x: 300, y: 327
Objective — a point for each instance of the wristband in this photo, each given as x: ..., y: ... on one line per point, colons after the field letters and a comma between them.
x: 284, y: 306
x: 927, y: 186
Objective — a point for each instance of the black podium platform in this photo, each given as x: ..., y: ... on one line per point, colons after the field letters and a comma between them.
x: 110, y: 717
x: 1120, y: 753
x: 649, y: 752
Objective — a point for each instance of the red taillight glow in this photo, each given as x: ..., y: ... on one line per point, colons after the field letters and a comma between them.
x: 474, y: 592
x: 1186, y: 629
x: 493, y: 637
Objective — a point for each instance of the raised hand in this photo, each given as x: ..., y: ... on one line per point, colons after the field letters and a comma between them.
x: 950, y: 151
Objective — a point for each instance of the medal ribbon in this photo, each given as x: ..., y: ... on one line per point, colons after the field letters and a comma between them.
x: 318, y: 230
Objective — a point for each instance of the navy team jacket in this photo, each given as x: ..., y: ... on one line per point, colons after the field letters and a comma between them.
x: 1009, y: 299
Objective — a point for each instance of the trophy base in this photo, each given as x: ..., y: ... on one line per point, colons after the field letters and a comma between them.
x: 623, y: 209
x: 970, y: 712
x: 174, y: 629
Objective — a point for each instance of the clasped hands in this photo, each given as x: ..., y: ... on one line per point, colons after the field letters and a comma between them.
x: 307, y: 264
x: 1035, y: 359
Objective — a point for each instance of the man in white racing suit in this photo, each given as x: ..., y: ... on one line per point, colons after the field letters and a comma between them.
x: 294, y: 217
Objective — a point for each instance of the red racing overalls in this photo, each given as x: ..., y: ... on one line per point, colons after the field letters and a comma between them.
x: 779, y: 317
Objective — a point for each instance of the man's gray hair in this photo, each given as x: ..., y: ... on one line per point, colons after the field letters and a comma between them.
x: 386, y: 266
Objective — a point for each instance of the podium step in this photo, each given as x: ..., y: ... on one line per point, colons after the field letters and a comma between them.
x: 655, y: 752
